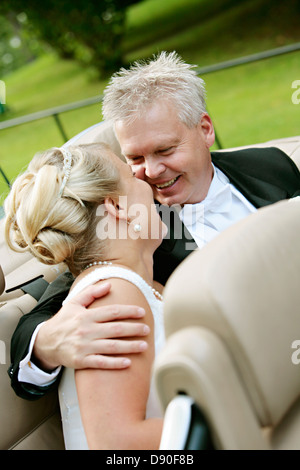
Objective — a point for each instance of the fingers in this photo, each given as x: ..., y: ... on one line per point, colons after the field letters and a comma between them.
x: 114, y: 347
x: 105, y: 362
x: 117, y: 312
x: 114, y: 330
x: 88, y: 295
x: 92, y: 337
x: 106, y: 354
x: 109, y: 312
x: 111, y: 361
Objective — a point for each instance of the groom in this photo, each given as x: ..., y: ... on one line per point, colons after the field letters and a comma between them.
x: 165, y: 134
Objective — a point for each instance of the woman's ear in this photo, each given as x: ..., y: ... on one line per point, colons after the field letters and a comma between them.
x: 117, y: 209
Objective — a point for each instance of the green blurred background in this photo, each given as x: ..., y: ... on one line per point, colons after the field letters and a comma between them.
x: 248, y: 104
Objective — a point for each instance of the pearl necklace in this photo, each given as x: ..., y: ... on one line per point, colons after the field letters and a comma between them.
x: 109, y: 263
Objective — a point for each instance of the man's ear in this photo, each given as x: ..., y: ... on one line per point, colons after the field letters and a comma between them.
x: 116, y: 208
x: 207, y: 129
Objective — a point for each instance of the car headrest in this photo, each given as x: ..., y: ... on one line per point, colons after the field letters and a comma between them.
x: 100, y: 132
x: 244, y: 286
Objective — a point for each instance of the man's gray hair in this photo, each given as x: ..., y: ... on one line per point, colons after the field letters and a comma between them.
x: 131, y: 91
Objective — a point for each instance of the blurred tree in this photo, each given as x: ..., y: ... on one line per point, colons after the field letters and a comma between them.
x: 16, y: 46
x: 87, y: 30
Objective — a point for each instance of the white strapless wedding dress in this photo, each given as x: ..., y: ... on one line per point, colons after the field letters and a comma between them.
x: 74, y: 434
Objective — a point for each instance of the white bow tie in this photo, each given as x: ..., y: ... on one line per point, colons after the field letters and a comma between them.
x: 218, y: 203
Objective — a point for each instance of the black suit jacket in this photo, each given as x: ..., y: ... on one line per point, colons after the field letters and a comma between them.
x: 264, y: 176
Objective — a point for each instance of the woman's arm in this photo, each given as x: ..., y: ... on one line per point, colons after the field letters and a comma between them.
x: 113, y: 403
x: 60, y: 340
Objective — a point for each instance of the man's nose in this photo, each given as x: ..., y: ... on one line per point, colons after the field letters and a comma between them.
x: 153, y: 168
x: 139, y: 172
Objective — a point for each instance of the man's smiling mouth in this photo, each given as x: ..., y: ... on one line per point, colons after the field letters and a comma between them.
x: 167, y: 184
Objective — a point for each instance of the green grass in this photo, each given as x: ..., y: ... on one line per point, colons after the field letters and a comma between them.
x: 248, y: 104
x: 252, y: 103
x: 48, y: 82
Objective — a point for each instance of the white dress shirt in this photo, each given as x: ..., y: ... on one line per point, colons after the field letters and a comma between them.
x: 223, y: 206
x: 30, y: 373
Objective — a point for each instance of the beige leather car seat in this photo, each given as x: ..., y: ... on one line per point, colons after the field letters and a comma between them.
x: 232, y: 324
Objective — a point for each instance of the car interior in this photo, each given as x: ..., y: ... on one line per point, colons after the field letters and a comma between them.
x: 226, y: 378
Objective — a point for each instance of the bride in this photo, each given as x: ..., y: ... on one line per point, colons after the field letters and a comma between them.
x: 82, y: 205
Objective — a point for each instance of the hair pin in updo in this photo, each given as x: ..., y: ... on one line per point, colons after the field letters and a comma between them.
x: 66, y: 169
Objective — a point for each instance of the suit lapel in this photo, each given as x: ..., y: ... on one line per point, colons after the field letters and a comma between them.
x: 263, y: 176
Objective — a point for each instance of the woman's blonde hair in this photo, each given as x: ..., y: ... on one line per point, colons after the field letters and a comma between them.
x: 61, y: 229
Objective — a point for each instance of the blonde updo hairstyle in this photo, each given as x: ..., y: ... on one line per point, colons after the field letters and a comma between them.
x: 62, y: 228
